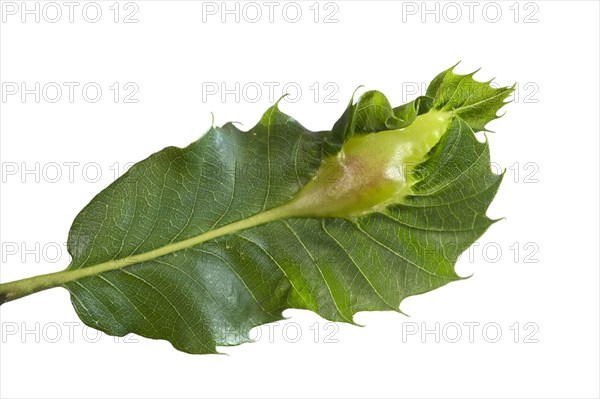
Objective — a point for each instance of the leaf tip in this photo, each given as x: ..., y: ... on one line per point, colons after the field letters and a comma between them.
x: 276, y: 105
x: 474, y: 72
x: 399, y: 310
x: 358, y: 324
x: 451, y: 69
x: 354, y: 93
x: 493, y: 221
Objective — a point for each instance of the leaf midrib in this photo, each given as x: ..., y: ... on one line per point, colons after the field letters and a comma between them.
x: 42, y: 282
x: 273, y: 214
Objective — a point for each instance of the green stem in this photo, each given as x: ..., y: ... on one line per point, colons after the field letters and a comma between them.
x: 20, y: 288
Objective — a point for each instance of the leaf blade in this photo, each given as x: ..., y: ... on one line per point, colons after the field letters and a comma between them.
x: 200, y: 253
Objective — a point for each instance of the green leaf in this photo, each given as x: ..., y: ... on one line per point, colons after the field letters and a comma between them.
x: 198, y: 245
x: 475, y: 102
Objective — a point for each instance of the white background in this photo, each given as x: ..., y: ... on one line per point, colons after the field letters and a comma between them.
x: 539, y: 266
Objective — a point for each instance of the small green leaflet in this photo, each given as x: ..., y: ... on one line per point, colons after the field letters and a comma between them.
x: 198, y: 245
